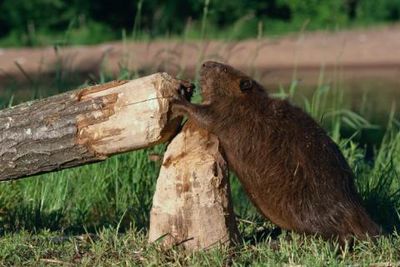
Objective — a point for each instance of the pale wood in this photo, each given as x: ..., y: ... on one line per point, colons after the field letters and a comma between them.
x: 86, y: 125
x: 192, y: 203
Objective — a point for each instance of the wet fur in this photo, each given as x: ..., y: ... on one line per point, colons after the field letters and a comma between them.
x: 290, y: 168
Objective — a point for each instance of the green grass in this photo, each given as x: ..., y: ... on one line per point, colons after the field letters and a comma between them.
x: 131, y: 249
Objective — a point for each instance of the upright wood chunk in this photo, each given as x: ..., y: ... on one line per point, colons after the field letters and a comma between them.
x: 87, y: 125
x: 192, y: 203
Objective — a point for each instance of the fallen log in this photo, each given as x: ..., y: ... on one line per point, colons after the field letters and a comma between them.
x: 192, y: 203
x: 87, y: 125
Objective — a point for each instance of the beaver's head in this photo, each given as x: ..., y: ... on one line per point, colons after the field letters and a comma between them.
x: 220, y: 80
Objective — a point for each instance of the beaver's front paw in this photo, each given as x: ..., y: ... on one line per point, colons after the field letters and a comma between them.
x: 179, y: 105
x: 186, y: 89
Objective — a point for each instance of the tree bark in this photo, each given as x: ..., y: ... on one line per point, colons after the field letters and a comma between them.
x: 192, y: 204
x: 87, y: 125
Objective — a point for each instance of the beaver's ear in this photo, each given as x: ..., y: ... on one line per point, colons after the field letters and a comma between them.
x: 246, y: 85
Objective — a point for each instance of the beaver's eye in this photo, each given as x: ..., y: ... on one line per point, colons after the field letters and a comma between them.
x: 246, y: 85
x: 225, y: 69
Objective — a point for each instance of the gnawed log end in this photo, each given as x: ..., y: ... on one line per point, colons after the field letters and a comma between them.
x: 87, y: 125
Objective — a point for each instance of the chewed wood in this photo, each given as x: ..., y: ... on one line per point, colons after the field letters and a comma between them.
x: 192, y: 204
x: 86, y: 125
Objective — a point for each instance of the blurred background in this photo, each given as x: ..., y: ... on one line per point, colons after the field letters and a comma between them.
x: 47, y: 22
x: 338, y: 59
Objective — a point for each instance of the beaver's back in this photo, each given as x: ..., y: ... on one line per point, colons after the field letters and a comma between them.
x: 291, y: 169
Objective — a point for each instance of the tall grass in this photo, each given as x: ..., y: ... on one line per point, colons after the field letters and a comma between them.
x: 82, y: 199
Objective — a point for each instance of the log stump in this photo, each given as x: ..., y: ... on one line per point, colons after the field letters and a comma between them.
x: 192, y: 204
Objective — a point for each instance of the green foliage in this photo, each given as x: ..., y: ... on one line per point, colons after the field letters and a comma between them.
x: 320, y: 14
x: 47, y: 13
x: 371, y: 11
x: 36, y: 22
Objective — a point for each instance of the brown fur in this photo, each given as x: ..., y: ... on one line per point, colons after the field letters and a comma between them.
x: 292, y: 171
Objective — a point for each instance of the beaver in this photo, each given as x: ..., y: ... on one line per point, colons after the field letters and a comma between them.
x: 292, y: 171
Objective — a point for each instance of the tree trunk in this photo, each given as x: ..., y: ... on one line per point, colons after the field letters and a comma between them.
x: 192, y: 204
x: 87, y: 125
